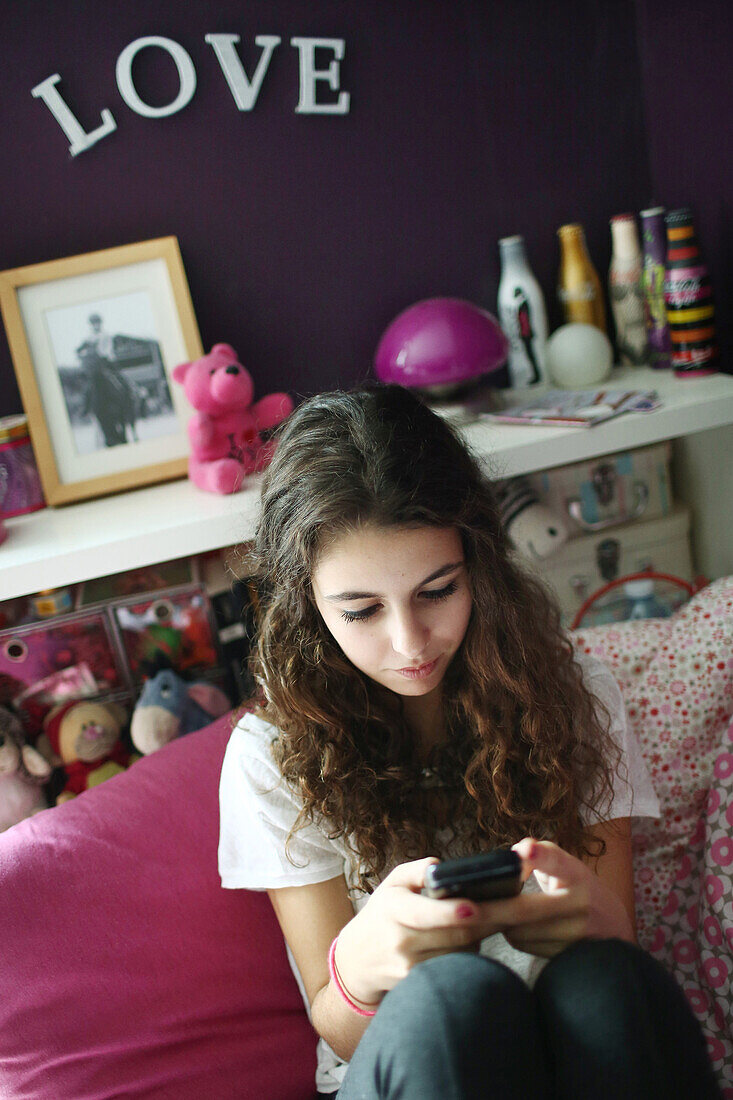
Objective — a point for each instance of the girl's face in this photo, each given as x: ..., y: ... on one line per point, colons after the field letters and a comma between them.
x: 397, y: 601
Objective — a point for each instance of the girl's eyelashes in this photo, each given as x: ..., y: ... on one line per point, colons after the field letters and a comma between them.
x: 428, y: 594
x: 359, y: 616
x: 440, y: 593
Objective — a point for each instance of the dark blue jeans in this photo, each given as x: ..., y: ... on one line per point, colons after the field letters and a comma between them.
x: 604, y: 1022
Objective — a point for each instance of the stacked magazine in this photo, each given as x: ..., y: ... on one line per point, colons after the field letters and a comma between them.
x: 576, y: 408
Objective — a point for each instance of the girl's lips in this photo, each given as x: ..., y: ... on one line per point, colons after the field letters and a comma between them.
x: 418, y: 673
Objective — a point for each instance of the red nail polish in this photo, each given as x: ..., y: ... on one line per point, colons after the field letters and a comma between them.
x: 464, y: 912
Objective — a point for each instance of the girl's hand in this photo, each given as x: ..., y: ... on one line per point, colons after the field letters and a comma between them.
x: 582, y: 905
x: 399, y: 927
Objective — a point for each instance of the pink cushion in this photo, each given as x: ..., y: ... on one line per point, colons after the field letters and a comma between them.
x: 125, y: 968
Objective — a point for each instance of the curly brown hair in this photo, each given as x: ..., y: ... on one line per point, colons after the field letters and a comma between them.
x: 527, y: 745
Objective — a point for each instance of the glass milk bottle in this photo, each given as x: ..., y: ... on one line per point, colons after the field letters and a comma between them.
x: 624, y: 286
x: 522, y: 314
x: 578, y: 286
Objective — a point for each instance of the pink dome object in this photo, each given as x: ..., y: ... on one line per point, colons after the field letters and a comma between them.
x: 440, y: 342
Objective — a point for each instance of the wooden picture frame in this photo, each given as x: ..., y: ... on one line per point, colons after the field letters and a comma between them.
x: 103, y: 411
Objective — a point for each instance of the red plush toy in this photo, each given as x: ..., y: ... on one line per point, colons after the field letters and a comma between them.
x: 83, y: 738
x: 224, y: 432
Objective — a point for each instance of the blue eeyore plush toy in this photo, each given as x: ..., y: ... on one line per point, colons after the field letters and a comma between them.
x: 168, y: 707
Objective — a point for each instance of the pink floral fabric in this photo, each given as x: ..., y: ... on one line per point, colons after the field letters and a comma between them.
x: 676, y: 676
x: 694, y: 936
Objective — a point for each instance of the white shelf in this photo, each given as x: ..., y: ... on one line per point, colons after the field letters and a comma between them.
x: 59, y: 546
x: 689, y: 406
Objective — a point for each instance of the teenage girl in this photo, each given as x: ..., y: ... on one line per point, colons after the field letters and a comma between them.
x: 420, y: 701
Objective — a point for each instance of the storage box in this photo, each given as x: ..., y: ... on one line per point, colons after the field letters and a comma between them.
x: 233, y: 603
x: 44, y: 663
x: 609, y: 490
x: 176, y: 625
x: 138, y: 582
x: 585, y: 564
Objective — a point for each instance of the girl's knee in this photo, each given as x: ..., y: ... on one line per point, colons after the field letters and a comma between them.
x: 611, y: 957
x: 452, y: 1025
x: 467, y: 970
x: 608, y: 1009
x: 463, y: 984
x: 605, y: 972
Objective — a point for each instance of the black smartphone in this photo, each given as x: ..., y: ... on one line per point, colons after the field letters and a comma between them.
x: 483, y: 876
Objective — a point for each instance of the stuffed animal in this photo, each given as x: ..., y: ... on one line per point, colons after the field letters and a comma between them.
x: 224, y: 432
x: 170, y: 707
x: 23, y: 771
x: 83, y: 738
x: 536, y: 531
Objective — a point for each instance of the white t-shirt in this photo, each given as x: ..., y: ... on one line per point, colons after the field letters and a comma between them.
x: 257, y: 809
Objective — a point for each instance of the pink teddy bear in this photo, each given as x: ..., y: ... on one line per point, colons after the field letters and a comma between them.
x: 226, y: 444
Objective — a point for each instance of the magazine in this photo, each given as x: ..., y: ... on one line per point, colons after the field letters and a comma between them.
x: 576, y: 408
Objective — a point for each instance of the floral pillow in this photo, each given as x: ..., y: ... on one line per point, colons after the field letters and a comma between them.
x: 676, y: 676
x: 694, y: 937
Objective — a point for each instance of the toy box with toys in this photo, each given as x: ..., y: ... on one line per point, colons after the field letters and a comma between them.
x: 141, y: 658
x: 175, y: 624
x: 48, y: 662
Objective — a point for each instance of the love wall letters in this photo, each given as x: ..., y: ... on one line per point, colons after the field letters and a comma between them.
x: 245, y: 90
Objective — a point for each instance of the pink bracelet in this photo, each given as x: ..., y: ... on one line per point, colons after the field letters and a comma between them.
x: 336, y: 978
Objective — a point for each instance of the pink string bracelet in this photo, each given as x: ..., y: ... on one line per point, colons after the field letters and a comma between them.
x: 336, y: 978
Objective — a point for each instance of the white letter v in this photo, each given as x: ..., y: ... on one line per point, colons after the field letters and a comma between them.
x: 245, y: 93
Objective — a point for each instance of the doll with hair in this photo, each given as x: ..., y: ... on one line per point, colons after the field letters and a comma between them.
x: 23, y: 772
x: 419, y: 701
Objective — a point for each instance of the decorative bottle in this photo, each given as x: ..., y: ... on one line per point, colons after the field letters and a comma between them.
x: 689, y: 299
x: 642, y: 601
x: 652, y: 282
x: 624, y: 287
x: 522, y: 314
x: 579, y: 288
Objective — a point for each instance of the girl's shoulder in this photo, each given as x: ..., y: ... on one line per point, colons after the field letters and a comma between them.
x: 253, y: 723
x: 599, y: 680
x: 633, y: 793
x: 254, y: 732
x: 249, y: 758
x: 592, y: 667
x: 258, y: 812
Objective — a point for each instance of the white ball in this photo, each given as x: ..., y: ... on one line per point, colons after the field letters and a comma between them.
x: 578, y: 355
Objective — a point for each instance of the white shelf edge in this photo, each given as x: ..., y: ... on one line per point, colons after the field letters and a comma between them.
x: 689, y: 406
x: 60, y: 546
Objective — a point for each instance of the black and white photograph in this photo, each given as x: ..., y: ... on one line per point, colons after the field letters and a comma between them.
x: 95, y: 339
x: 111, y: 371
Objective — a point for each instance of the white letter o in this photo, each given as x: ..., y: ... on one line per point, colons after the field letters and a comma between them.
x: 186, y: 76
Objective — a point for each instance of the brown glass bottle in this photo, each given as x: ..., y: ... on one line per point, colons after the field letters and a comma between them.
x: 578, y: 286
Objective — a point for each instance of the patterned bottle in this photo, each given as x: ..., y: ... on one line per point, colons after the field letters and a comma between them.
x: 522, y: 314
x: 652, y: 282
x: 624, y: 286
x: 689, y: 299
x: 579, y: 288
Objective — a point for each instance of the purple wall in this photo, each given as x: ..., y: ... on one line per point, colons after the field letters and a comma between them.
x: 303, y: 236
x: 688, y: 102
